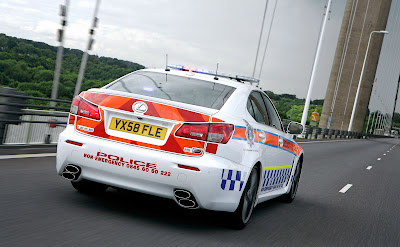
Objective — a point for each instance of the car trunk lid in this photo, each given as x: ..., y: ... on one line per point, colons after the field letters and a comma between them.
x: 142, y: 121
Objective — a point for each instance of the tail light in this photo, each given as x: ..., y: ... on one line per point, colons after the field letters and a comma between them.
x: 220, y: 133
x: 213, y: 132
x: 83, y: 108
x: 193, y: 131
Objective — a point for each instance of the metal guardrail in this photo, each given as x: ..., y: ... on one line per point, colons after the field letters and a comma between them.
x: 28, y: 126
x: 311, y: 132
x: 323, y: 133
x: 34, y: 129
x: 13, y: 104
x: 31, y: 97
x: 35, y: 106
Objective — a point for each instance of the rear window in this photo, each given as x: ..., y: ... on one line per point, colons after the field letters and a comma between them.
x: 175, y: 88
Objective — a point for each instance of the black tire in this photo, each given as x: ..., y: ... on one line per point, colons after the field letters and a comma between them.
x: 241, y: 216
x: 289, y: 197
x: 89, y: 187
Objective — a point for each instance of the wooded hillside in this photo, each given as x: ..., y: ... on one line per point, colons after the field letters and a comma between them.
x: 28, y: 66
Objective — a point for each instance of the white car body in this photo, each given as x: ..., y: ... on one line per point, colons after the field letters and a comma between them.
x: 154, y: 166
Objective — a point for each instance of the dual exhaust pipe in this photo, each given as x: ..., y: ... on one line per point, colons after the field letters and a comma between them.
x: 185, y: 199
x: 71, y: 172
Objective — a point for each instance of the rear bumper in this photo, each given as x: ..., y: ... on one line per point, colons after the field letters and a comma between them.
x: 217, y: 186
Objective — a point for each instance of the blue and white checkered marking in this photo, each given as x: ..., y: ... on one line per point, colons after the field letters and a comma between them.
x: 232, y: 180
x: 275, y: 179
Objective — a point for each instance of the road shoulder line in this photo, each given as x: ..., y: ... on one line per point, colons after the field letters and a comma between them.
x: 302, y: 142
x: 22, y: 156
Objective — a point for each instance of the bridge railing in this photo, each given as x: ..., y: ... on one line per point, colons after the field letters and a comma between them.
x: 24, y: 123
x: 323, y: 133
x: 35, y: 129
x: 311, y: 132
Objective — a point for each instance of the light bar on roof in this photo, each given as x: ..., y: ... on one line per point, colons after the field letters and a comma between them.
x: 209, y: 72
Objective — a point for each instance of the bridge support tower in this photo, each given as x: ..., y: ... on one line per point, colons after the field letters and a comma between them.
x: 361, y: 17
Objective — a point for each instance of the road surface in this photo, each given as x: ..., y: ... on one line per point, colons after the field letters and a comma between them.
x: 348, y: 196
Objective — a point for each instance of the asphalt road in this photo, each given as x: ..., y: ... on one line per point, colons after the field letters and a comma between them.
x: 39, y: 208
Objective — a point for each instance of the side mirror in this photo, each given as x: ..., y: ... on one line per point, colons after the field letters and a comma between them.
x: 295, y: 128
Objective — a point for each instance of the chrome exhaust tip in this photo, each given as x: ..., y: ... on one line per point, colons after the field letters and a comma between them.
x: 68, y: 176
x: 71, y: 172
x: 72, y: 169
x: 185, y: 199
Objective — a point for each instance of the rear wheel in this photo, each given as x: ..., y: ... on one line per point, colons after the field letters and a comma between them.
x: 247, y: 202
x: 289, y: 197
x: 89, y: 187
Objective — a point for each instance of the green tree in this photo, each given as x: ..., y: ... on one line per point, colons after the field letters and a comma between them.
x: 296, y: 112
x: 43, y: 75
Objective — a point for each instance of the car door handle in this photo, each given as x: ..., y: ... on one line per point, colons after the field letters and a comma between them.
x: 262, y: 136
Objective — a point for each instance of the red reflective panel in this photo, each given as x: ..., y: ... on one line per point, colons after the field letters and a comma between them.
x: 71, y: 119
x: 189, y: 168
x: 74, y: 143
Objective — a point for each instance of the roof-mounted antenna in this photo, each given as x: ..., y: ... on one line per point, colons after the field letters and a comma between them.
x: 216, y: 73
x: 166, y: 63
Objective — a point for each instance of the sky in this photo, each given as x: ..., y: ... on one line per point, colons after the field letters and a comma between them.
x: 194, y: 33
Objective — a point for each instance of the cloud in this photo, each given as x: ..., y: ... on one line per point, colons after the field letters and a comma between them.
x: 193, y: 33
x: 46, y: 27
x: 292, y: 47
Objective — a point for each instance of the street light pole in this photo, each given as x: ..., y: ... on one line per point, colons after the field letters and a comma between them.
x: 361, y: 77
x: 316, y: 60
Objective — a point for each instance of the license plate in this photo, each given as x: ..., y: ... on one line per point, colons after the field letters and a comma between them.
x: 137, y: 128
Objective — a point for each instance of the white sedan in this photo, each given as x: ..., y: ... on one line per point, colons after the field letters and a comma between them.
x: 204, y: 140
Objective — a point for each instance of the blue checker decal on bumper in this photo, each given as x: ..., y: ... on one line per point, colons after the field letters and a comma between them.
x: 232, y: 180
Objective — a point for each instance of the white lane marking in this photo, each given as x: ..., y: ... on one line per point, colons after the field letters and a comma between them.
x: 379, y: 159
x: 387, y: 151
x: 369, y: 167
x: 303, y: 142
x: 345, y: 188
x: 21, y: 156
x: 384, y: 154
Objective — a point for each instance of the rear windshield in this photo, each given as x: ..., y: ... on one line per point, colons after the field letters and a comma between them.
x: 175, y: 88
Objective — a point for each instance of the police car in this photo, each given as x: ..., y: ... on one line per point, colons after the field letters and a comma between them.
x: 205, y: 140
